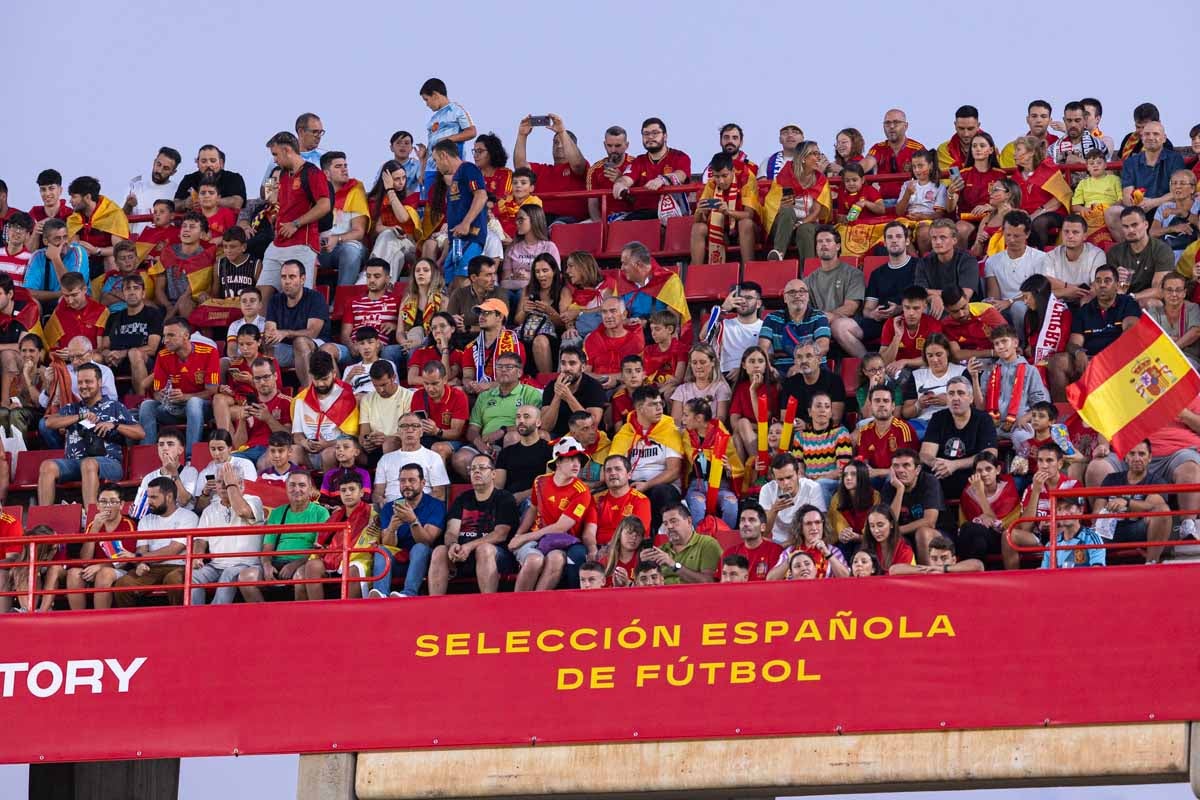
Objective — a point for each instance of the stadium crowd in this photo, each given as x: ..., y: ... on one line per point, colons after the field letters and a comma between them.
x: 484, y: 408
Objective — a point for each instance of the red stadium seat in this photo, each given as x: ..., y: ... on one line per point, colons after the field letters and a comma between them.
x: 201, y: 456
x: 343, y: 296
x: 25, y: 476
x: 771, y: 275
x: 872, y: 263
x: 619, y: 234
x: 141, y: 459
x: 706, y: 282
x: 323, y: 290
x: 810, y: 266
x: 585, y: 236
x: 65, y: 518
x: 849, y: 370
x: 16, y: 512
x: 853, y: 261
x: 133, y: 400
x: 677, y: 237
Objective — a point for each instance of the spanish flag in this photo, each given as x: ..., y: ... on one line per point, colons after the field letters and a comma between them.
x: 663, y: 286
x: 198, y: 267
x: 109, y: 217
x: 1186, y: 265
x: 818, y: 193
x: 352, y: 199
x: 1133, y: 385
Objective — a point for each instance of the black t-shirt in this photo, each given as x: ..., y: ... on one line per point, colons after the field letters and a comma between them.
x: 11, y: 329
x: 522, y: 464
x: 481, y: 518
x: 125, y: 330
x: 229, y: 184
x: 1122, y: 479
x: 796, y: 387
x: 887, y: 283
x: 1101, y: 327
x: 295, y: 318
x: 589, y: 393
x: 976, y: 436
x: 233, y: 279
x: 926, y: 494
x: 962, y: 270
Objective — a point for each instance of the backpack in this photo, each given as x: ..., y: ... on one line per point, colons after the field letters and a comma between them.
x: 325, y: 222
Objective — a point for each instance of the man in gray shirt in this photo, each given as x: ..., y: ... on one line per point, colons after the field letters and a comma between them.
x: 837, y: 288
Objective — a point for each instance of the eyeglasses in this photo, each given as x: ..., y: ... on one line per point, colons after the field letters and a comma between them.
x: 479, y: 468
x: 317, y: 132
x: 409, y: 425
x: 104, y: 502
x: 795, y: 293
x: 508, y: 366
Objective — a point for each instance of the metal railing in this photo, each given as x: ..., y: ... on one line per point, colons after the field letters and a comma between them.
x: 31, y: 564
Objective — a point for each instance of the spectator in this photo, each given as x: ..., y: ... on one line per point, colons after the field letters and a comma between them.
x: 815, y: 539
x: 573, y: 390
x: 740, y: 326
x: 591, y: 575
x: 1077, y: 141
x: 905, y: 336
x: 96, y: 428
x: 1147, y: 172
x: 539, y: 311
x: 645, y: 287
x: 1004, y: 197
x: 659, y: 166
x: 342, y: 244
x: 807, y: 378
x: 987, y: 508
x: 323, y: 411
x: 449, y: 122
x: 1149, y: 529
x: 1099, y: 323
x: 208, y: 481
x: 728, y: 208
x: 559, y: 525
x: 865, y: 565
x: 755, y: 401
x: 849, y: 505
x: 280, y: 560
x: 1042, y: 421
x: 495, y: 410
x: 689, y: 557
x: 183, y: 273
x: 387, y: 473
x: 398, y: 226
x: 882, y: 292
x: 1093, y: 111
x: 250, y: 303
x: 270, y: 413
x: 525, y: 459
x: 1071, y: 267
x: 1007, y: 270
x: 1095, y: 194
x: 914, y: 499
x: 173, y: 465
x: 651, y: 442
x: 445, y: 410
x: 665, y: 356
x: 76, y: 314
x: 1072, y: 533
x: 971, y: 195
x: 97, y: 222
x: 304, y: 201
x: 358, y: 374
x: 879, y: 442
x: 210, y: 163
x: 894, y: 154
x: 401, y: 145
x: 619, y: 502
x: 425, y: 296
x: 1173, y: 219
x: 604, y: 173
x: 623, y: 558
x: 466, y: 211
x: 568, y: 173
x: 489, y: 155
x: 507, y: 207
x: 78, y: 352
x: 143, y: 195
x: 207, y: 205
x: 884, y: 541
x: 707, y: 444
x: 1141, y: 261
x: 790, y: 138
x: 837, y: 288
x: 163, y: 513
x: 380, y: 409
x: 230, y: 508
x: 758, y: 553
x: 785, y: 494
x: 584, y: 428
x: 49, y: 183
x: 782, y: 330
x: 1143, y: 114
x: 466, y: 301
x: 14, y: 255
x: 1036, y: 503
x: 346, y: 453
x: 108, y: 286
x: 848, y: 148
x: 968, y: 332
x: 957, y: 151
x: 797, y: 202
x: 1008, y: 388
x: 358, y: 516
x: 925, y: 394
x: 955, y: 436
x: 21, y: 400
x: 1038, y: 120
x: 118, y: 543
x: 823, y: 446
x: 478, y: 527
x: 298, y: 324
x: 633, y: 375
x: 237, y: 272
x: 704, y: 380
x: 281, y: 458
x: 437, y: 348
x: 161, y: 233
x: 942, y: 559
x: 648, y: 574
x: 923, y: 197
x: 411, y: 525
x: 1179, y: 317
x: 1045, y: 196
x: 608, y: 345
x: 481, y: 356
x: 946, y: 266
x: 186, y: 376
x: 46, y: 578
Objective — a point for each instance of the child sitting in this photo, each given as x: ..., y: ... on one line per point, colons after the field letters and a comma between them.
x: 346, y: 452
x: 1043, y: 421
x: 923, y: 198
x: 523, y: 181
x: 107, y: 288
x: 666, y: 356
x: 1095, y: 193
x: 633, y: 375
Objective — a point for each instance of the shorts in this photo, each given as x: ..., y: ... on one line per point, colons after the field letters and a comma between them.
x: 1131, y: 530
x: 506, y: 563
x: 1161, y: 467
x: 69, y: 469
x: 872, y: 328
x: 273, y: 260
x: 285, y: 354
x: 429, y: 441
x: 455, y: 265
x: 525, y: 551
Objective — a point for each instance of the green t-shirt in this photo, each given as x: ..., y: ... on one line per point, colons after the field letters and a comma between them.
x: 701, y: 553
x: 494, y: 410
x: 284, y: 515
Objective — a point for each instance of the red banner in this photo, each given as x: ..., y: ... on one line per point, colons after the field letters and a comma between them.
x: 851, y: 655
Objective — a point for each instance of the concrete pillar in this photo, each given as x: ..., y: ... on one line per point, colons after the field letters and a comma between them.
x: 147, y: 779
x: 1194, y: 756
x: 326, y: 776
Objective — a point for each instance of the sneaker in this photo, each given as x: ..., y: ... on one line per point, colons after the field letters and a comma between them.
x: 1187, y: 529
x: 375, y: 594
x: 774, y: 255
x: 397, y: 595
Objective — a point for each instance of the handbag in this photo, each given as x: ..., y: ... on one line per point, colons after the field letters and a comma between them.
x: 556, y: 541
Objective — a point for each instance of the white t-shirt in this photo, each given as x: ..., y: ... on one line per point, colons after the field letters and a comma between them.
x: 216, y: 515
x: 736, y: 336
x: 182, y: 519
x: 260, y: 322
x: 362, y: 383
x: 808, y: 492
x: 1074, y: 272
x: 243, y: 466
x: 926, y: 196
x: 387, y: 474
x: 1010, y: 273
x: 925, y: 381
x: 307, y: 421
x: 147, y: 192
x: 187, y: 477
x: 650, y: 460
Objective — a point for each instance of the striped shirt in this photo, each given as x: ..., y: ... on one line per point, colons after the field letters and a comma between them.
x: 825, y: 452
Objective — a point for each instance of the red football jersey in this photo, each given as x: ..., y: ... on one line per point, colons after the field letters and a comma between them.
x: 201, y: 368
x: 294, y: 203
x: 604, y: 353
x: 912, y: 343
x: 644, y: 169
x: 876, y: 450
x: 560, y: 178
x: 257, y: 433
x: 608, y: 512
x: 661, y: 365
x: 553, y: 501
x: 761, y: 558
x: 452, y: 406
x: 363, y: 311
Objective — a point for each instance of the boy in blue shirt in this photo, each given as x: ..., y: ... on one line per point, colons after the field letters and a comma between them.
x: 1072, y: 532
x: 448, y: 121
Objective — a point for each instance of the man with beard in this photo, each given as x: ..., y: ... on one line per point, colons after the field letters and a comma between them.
x: 324, y: 412
x: 525, y: 459
x: 651, y: 442
x: 837, y: 288
x: 186, y: 376
x: 97, y: 222
x: 1038, y: 118
x: 210, y: 162
x: 568, y: 173
x: 144, y: 194
x: 412, y: 524
x: 956, y: 151
x: 480, y: 356
x: 759, y: 551
x: 799, y: 321
x: 659, y: 166
x: 894, y: 153
x: 163, y: 513
x: 1097, y: 324
x: 618, y: 501
x: 495, y: 411
x: 731, y: 144
x: 1076, y: 142
x: 583, y: 427
x: 883, y: 292
x: 303, y: 200
x: 573, y: 390
x: 604, y: 173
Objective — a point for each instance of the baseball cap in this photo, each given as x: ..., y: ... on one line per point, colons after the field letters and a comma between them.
x: 492, y: 304
x: 787, y: 125
x: 568, y: 446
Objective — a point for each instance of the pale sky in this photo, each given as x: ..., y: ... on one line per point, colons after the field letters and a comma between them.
x: 97, y: 93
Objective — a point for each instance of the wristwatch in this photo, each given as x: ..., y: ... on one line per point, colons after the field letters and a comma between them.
x: 678, y: 566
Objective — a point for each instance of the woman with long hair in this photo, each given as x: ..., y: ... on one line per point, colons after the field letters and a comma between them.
x: 624, y: 551
x: 849, y: 506
x: 492, y: 159
x: 812, y: 534
x: 703, y: 379
x: 970, y: 203
x: 848, y: 148
x: 929, y: 383
x: 538, y: 317
x: 582, y: 314
x: 394, y: 224
x: 707, y: 442
x: 436, y: 348
x: 1045, y: 194
x: 531, y: 241
x: 1044, y: 338
x: 1004, y: 195
x: 883, y: 539
x: 425, y: 296
x: 756, y: 379
x: 798, y: 200
x: 20, y: 409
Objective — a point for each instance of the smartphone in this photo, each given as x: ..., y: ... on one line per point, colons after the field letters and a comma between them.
x: 421, y: 415
x: 954, y: 173
x: 789, y: 192
x: 710, y: 203
x: 539, y: 122
x: 615, y: 159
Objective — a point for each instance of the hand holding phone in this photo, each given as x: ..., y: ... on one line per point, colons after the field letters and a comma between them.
x: 539, y: 121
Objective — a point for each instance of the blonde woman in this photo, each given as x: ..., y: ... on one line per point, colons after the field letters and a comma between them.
x: 425, y: 296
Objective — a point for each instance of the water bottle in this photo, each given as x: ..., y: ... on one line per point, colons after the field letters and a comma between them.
x: 1106, y: 527
x: 853, y: 213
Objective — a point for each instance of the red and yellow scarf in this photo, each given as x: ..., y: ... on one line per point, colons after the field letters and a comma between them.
x: 1014, y: 400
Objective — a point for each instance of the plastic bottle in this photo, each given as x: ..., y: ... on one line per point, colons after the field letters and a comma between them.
x: 853, y: 213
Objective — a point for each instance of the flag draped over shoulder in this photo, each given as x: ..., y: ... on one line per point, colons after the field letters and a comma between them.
x: 197, y: 267
x: 1134, y: 385
x: 352, y: 199
x: 109, y: 217
x: 663, y: 285
x: 343, y: 413
x: 818, y: 193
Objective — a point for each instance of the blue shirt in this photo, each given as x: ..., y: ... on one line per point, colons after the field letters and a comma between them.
x: 467, y: 180
x: 429, y: 511
x: 1091, y: 557
x: 447, y: 121
x: 40, y: 272
x: 1155, y: 180
x: 784, y: 334
x: 105, y: 411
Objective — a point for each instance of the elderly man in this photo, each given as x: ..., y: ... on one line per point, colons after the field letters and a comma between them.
x: 799, y: 321
x: 230, y: 507
x: 1148, y: 172
x: 645, y: 287
x: 606, y: 347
